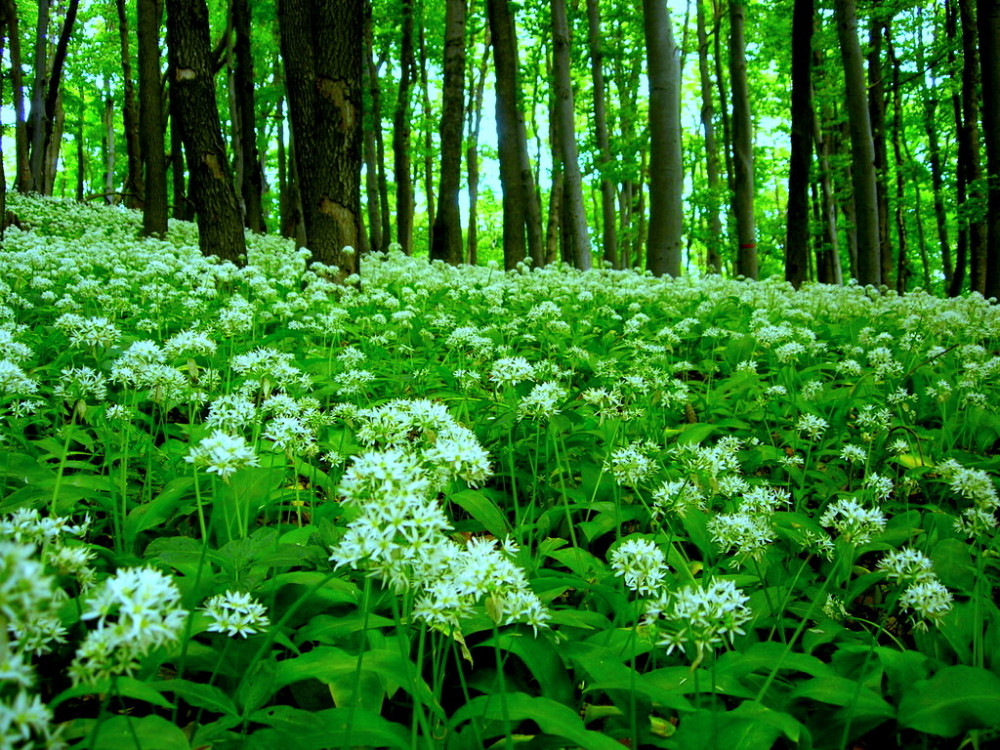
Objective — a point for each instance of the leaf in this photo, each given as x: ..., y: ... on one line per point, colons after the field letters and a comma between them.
x: 484, y: 510
x: 954, y: 700
x: 861, y: 702
x: 329, y: 728
x: 159, y: 510
x: 200, y: 695
x: 750, y: 726
x: 552, y: 718
x: 543, y: 660
x: 126, y: 687
x: 146, y: 733
x: 765, y: 656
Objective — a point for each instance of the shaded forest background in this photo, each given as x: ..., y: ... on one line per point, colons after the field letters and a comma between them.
x: 820, y: 139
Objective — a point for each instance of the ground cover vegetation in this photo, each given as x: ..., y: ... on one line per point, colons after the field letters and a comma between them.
x: 458, y: 507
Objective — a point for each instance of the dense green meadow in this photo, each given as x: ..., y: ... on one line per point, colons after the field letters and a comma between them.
x: 459, y: 508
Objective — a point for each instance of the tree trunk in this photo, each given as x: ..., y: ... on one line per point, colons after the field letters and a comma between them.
x: 797, y: 236
x: 4, y: 27
x: 903, y: 271
x: 516, y: 179
x: 220, y: 227
x: 36, y: 120
x: 401, y: 132
x: 81, y: 189
x: 22, y: 173
x: 154, y: 210
x: 573, y: 209
x: 970, y: 135
x: 108, y: 121
x: 720, y: 78
x: 609, y: 232
x: 876, y: 112
x: 663, y: 253
x: 375, y: 91
x: 252, y: 178
x: 323, y: 46
x: 743, y: 199
x: 369, y: 148
x: 477, y: 85
x: 862, y: 147
x: 446, y: 239
x: 134, y: 190
x: 426, y: 120
x: 43, y: 169
x: 714, y: 239
x: 989, y: 47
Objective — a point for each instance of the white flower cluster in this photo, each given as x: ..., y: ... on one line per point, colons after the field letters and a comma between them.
x: 136, y: 611
x: 222, y: 454
x: 854, y: 523
x: 641, y: 563
x: 925, y: 596
x: 236, y: 613
x: 977, y: 486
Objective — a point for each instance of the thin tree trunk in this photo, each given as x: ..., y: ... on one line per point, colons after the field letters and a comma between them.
x: 401, y: 132
x: 715, y: 236
x: 374, y: 67
x: 80, y: 158
x: 797, y: 236
x: 970, y: 135
x: 876, y: 111
x: 862, y: 147
x: 447, y: 235
x: 134, y: 189
x: 154, y: 212
x: 989, y: 45
x: 903, y: 271
x: 4, y: 28
x: 36, y: 120
x: 425, y: 123
x: 574, y: 210
x: 220, y: 227
x: 370, y: 72
x: 720, y: 79
x: 609, y: 234
x: 663, y: 254
x: 252, y: 179
x: 477, y: 86
x: 22, y: 174
x: 52, y: 114
x: 743, y: 201
x: 108, y: 120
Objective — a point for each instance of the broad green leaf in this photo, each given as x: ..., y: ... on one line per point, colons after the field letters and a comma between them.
x: 542, y: 658
x: 126, y: 687
x: 769, y: 655
x: 750, y: 726
x: 200, y: 695
x: 145, y: 733
x: 484, y: 510
x: 330, y: 728
x: 954, y: 700
x: 159, y: 510
x: 861, y: 702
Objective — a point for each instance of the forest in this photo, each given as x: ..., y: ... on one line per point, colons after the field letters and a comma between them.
x: 441, y: 375
x: 820, y: 141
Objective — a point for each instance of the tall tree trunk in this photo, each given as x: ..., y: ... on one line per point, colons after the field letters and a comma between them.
x: 963, y: 160
x: 36, y: 120
x: 220, y: 227
x: 989, y: 47
x: 81, y: 189
x: 4, y: 29
x: 154, y: 210
x: 715, y: 235
x: 876, y: 112
x: 903, y: 271
x: 934, y: 158
x: 477, y: 86
x: 108, y: 142
x: 720, y: 79
x: 252, y: 178
x: 375, y: 92
x: 574, y: 210
x: 970, y: 135
x: 663, y: 254
x: 516, y: 181
x: 797, y: 236
x: 446, y: 238
x: 43, y: 170
x: 609, y: 234
x: 862, y: 146
x: 425, y: 123
x: 323, y: 46
x: 743, y: 200
x: 370, y: 150
x: 134, y: 189
x: 401, y: 132
x: 22, y: 173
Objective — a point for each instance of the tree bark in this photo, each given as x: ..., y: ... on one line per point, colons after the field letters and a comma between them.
x: 108, y: 142
x: 220, y: 227
x: 714, y: 239
x: 609, y: 233
x: 477, y: 84
x: 323, y: 46
x: 989, y: 49
x: 425, y: 122
x: 797, y: 236
x: 22, y: 173
x: 578, y: 235
x: 52, y: 117
x: 401, y: 132
x: 375, y: 91
x: 446, y: 239
x: 36, y: 119
x: 369, y: 147
x: 743, y: 199
x: 862, y: 146
x: 154, y: 210
x: 876, y: 111
x: 134, y: 191
x: 252, y: 178
x: 4, y: 27
x: 663, y: 250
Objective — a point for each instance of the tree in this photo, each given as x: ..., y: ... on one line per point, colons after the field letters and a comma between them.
x: 797, y: 236
x: 516, y: 180
x: 609, y: 233
x: 876, y: 113
x: 401, y: 132
x: 575, y: 215
x: 714, y: 257
x: 251, y: 176
x: 862, y: 147
x: 663, y: 253
x: 743, y: 198
x: 192, y: 88
x: 447, y: 236
x: 323, y: 45
x: 154, y: 210
x: 989, y: 56
x: 133, y: 192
